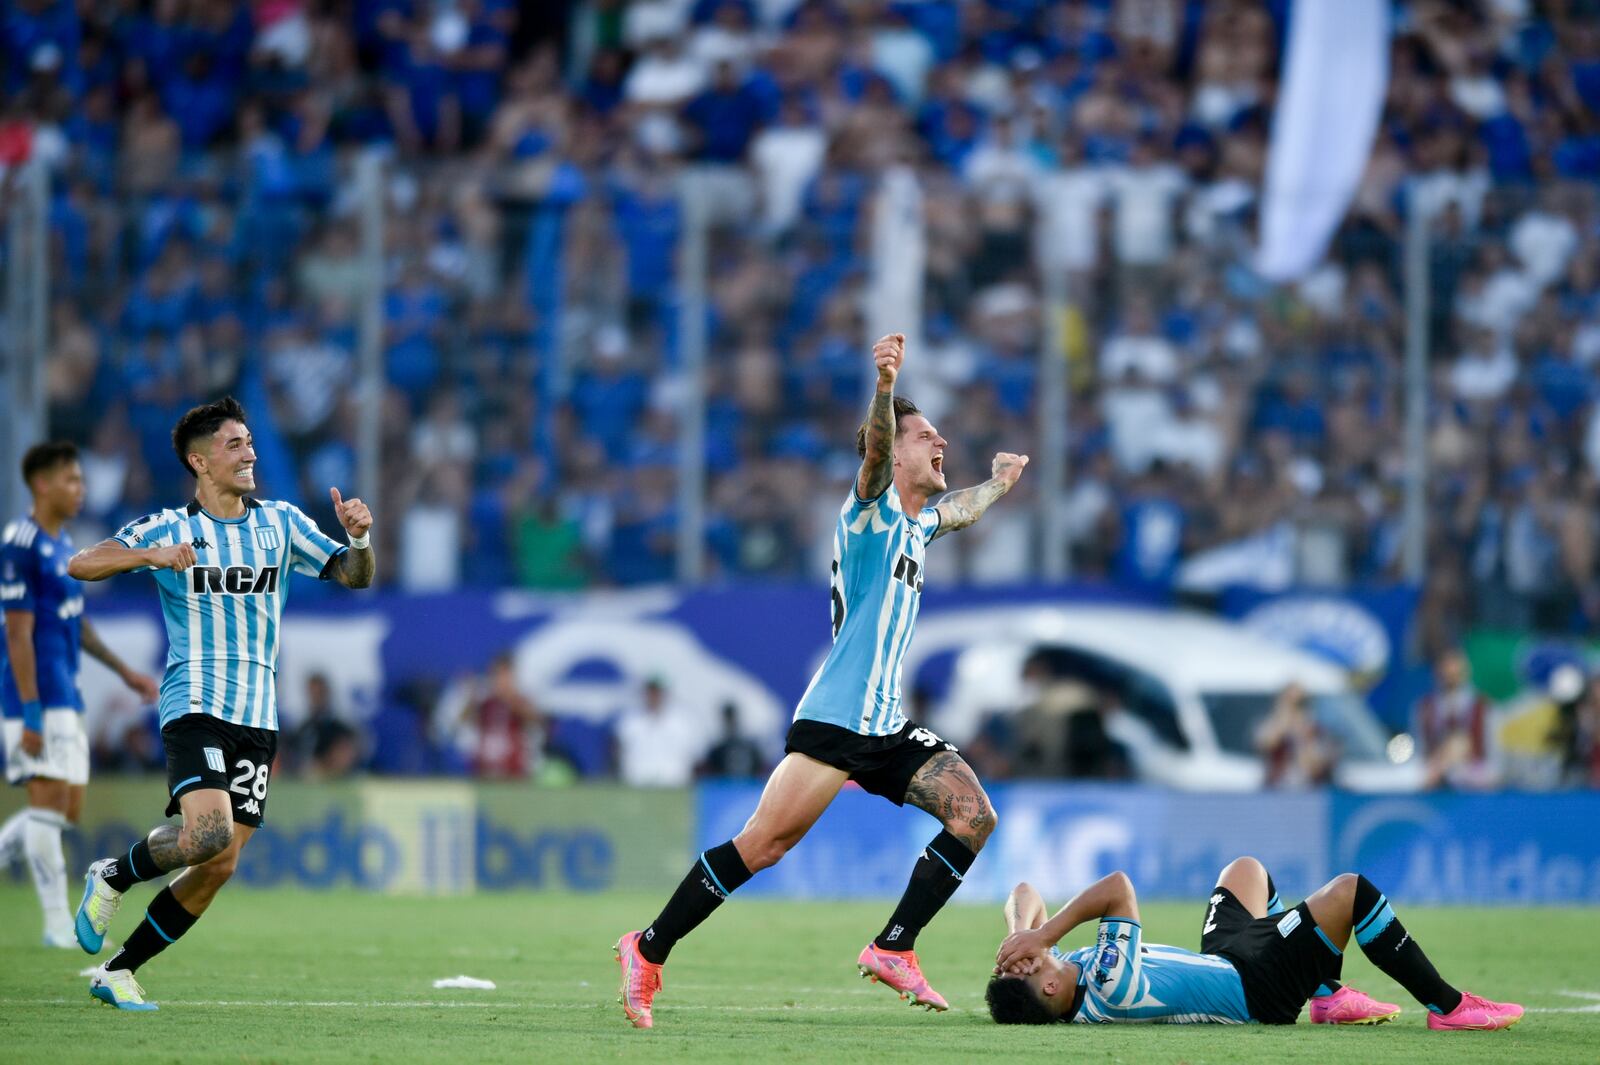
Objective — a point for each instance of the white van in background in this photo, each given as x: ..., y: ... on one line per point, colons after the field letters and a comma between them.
x: 1193, y: 689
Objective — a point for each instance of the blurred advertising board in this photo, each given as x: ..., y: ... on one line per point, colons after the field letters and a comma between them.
x: 1437, y: 848
x: 434, y: 837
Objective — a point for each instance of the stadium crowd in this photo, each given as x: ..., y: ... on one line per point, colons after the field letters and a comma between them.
x: 205, y: 239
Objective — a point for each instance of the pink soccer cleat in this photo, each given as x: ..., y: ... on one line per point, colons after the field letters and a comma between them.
x: 1349, y: 1006
x: 641, y: 979
x: 899, y: 970
x: 1476, y: 1014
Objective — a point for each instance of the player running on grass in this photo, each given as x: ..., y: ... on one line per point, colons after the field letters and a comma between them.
x: 46, y: 746
x: 1257, y: 961
x: 849, y: 724
x: 222, y: 567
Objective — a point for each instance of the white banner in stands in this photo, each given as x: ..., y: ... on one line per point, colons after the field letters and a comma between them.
x: 1336, y: 75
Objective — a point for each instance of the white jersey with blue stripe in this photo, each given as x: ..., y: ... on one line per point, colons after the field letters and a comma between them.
x: 1128, y: 981
x: 878, y: 563
x: 222, y: 613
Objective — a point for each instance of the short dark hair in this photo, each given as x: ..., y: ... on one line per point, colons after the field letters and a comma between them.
x: 42, y: 458
x: 1012, y: 1000
x: 200, y: 421
x: 903, y: 408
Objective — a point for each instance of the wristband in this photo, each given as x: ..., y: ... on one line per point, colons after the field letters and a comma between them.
x: 32, y: 716
x: 362, y: 542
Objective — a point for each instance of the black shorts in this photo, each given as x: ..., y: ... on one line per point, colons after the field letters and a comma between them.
x: 1281, y: 959
x: 883, y: 765
x: 205, y: 752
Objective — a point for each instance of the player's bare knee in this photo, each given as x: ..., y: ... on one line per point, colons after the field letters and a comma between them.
x: 761, y: 852
x: 1243, y: 866
x: 220, y: 869
x: 976, y: 825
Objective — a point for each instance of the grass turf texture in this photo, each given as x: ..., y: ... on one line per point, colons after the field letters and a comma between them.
x: 345, y: 977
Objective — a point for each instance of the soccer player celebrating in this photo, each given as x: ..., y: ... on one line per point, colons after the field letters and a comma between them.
x: 44, y: 627
x: 850, y: 724
x: 222, y: 567
x: 1257, y: 961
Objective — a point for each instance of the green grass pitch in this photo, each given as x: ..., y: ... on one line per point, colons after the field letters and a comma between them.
x: 286, y: 976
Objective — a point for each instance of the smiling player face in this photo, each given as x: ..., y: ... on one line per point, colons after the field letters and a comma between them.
x: 919, y: 453
x: 229, y: 459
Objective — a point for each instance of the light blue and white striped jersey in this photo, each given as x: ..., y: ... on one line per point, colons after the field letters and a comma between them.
x: 878, y: 562
x: 1127, y: 981
x: 222, y: 613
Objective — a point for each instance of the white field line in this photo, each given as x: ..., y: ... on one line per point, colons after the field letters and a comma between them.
x: 427, y: 1005
x: 1592, y: 997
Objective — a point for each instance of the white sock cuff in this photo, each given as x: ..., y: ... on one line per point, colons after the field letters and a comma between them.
x: 53, y: 818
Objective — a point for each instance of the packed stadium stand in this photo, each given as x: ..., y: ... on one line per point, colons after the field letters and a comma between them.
x: 205, y: 238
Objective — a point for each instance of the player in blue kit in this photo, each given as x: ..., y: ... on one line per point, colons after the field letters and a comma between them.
x: 850, y: 724
x: 222, y: 566
x: 46, y: 746
x: 1257, y: 960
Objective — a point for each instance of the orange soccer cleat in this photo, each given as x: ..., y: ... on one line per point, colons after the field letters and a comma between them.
x: 641, y: 979
x: 899, y: 970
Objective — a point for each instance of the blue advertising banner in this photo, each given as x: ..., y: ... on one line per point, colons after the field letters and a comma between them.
x: 1506, y: 848
x: 1058, y: 837
x: 1496, y: 849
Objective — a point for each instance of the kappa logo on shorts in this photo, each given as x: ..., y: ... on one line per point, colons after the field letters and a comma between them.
x: 214, y: 760
x: 1289, y: 923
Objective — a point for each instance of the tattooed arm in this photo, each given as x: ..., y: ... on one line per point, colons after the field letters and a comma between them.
x: 877, y: 465
x: 355, y: 567
x: 961, y: 508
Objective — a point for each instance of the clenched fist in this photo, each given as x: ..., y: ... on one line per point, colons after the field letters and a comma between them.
x: 177, y: 558
x: 888, y: 354
x: 1008, y: 467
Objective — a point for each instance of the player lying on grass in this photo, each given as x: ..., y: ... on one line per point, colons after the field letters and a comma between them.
x: 1257, y: 961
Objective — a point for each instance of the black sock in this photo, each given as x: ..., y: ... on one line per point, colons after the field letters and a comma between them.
x: 934, y: 879
x: 715, y: 875
x: 135, y: 868
x: 165, y: 922
x: 1387, y: 944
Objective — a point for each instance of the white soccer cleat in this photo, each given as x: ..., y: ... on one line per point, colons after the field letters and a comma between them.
x: 99, y: 906
x: 119, y: 988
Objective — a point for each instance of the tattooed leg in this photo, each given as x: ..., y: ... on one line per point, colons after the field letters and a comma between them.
x: 948, y: 789
x: 207, y: 830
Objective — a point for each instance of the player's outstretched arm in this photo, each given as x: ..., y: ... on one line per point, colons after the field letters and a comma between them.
x: 109, y: 558
x: 354, y: 568
x: 140, y: 683
x: 961, y: 508
x: 877, y: 465
x: 1110, y: 896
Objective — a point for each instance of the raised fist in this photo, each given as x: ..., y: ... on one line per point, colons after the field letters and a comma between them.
x: 888, y: 354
